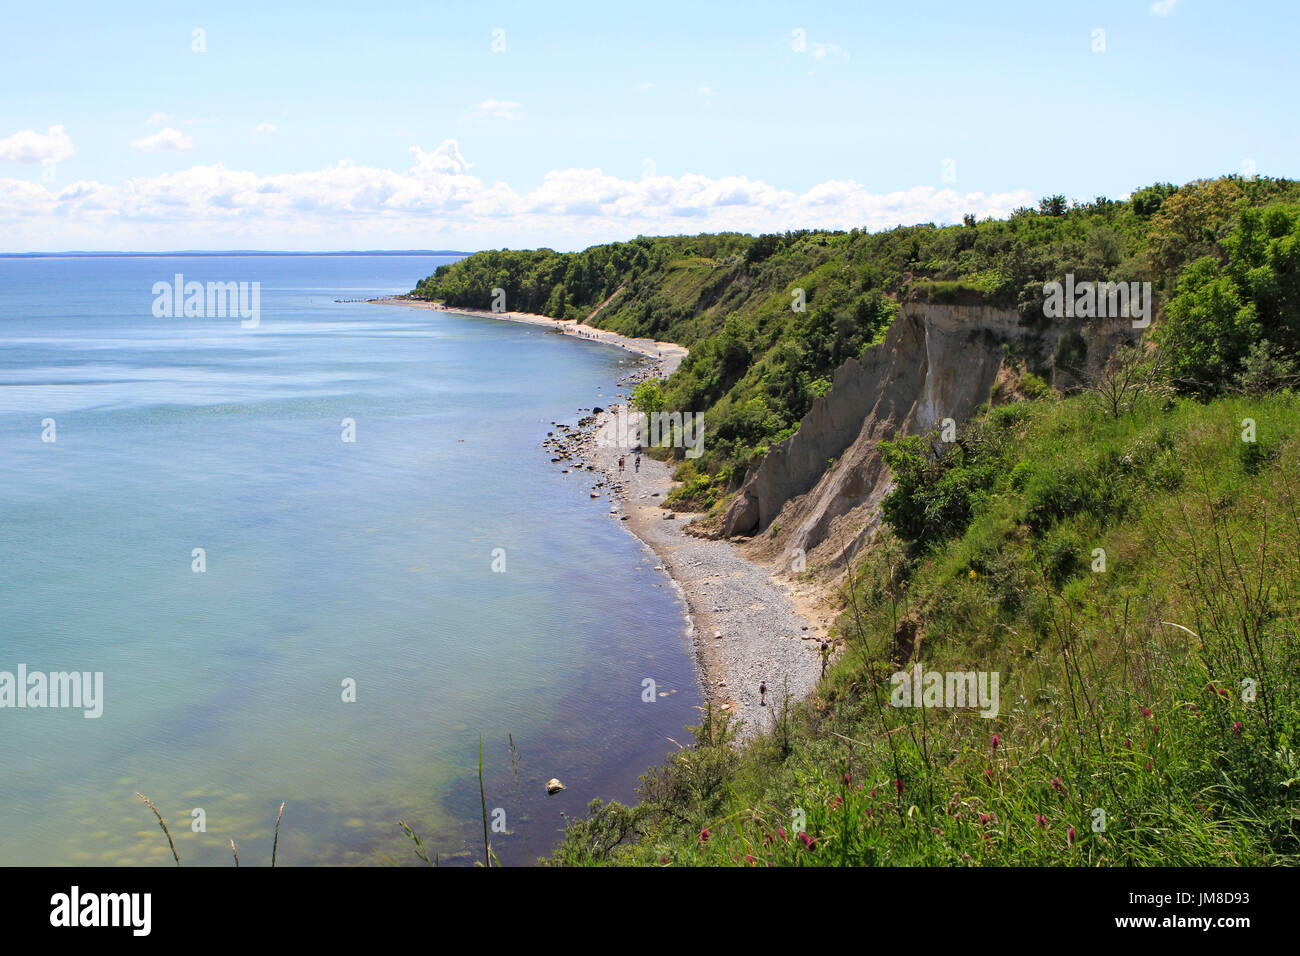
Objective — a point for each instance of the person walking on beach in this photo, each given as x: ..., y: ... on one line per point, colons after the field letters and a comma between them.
x: 637, y: 464
x: 621, y: 461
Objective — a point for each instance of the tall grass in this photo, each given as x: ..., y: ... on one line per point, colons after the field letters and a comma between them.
x: 1150, y: 705
x: 234, y: 852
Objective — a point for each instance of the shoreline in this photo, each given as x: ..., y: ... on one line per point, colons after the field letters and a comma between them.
x: 669, y: 354
x: 745, y: 625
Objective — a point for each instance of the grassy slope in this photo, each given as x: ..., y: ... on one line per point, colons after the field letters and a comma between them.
x: 1103, y: 706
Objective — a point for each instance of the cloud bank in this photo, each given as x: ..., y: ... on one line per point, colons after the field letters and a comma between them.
x: 439, y: 203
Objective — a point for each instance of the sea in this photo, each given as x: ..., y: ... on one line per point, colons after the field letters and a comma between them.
x: 317, y: 560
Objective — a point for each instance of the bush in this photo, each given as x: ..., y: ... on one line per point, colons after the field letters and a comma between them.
x: 935, y: 493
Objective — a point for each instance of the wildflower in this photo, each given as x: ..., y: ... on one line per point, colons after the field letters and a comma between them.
x: 1236, y: 728
x: 996, y: 742
x: 704, y: 836
x: 848, y: 778
x: 988, y: 773
x: 780, y: 831
x: 1041, y: 820
x: 1194, y: 710
x: 837, y: 802
x: 1057, y: 785
x: 807, y: 840
x: 1069, y: 835
x: 1148, y: 764
x: 873, y: 791
x: 1146, y: 711
x: 750, y: 860
x: 1128, y: 743
x: 898, y: 785
x: 984, y: 819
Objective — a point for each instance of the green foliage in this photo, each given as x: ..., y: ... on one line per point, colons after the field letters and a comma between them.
x: 648, y: 396
x: 695, y: 490
x: 1121, y: 689
x: 938, y: 486
x: 1146, y: 202
x: 1123, y: 559
x: 757, y: 365
x: 1236, y: 320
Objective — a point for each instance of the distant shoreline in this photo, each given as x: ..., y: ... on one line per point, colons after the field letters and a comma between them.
x: 669, y: 354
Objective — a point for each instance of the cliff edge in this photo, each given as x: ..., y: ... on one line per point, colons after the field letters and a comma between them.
x: 815, y: 497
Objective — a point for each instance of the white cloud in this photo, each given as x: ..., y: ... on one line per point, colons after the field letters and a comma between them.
x: 167, y: 138
x: 264, y: 128
x: 29, y: 146
x: 497, y: 109
x: 1162, y: 8
x: 705, y: 91
x: 445, y: 159
x: 644, y: 86
x: 439, y: 202
x: 157, y: 119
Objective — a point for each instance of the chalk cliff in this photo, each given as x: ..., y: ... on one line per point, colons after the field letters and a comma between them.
x: 817, y: 494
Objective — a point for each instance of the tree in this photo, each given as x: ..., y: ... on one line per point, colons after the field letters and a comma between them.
x: 1129, y: 379
x: 1209, y: 330
x: 1052, y: 205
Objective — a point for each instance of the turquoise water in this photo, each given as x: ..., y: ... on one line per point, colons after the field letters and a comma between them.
x: 326, y: 560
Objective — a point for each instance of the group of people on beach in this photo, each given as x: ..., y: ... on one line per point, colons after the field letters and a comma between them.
x: 622, y: 463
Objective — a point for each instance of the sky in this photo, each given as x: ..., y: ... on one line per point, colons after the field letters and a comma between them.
x: 471, y: 125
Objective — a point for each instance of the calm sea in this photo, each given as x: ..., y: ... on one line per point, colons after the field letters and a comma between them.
x: 327, y: 564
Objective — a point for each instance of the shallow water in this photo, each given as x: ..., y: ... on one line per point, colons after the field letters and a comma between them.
x: 326, y: 560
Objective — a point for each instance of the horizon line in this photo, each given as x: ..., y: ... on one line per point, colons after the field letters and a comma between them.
x: 197, y: 253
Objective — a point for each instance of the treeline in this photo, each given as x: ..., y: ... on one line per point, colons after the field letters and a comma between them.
x: 758, y: 362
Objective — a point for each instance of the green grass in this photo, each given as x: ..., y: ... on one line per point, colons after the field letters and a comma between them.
x: 1123, y: 692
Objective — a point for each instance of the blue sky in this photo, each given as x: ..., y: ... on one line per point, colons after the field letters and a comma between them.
x: 398, y: 125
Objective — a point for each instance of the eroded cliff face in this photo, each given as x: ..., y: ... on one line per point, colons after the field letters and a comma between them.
x: 816, y: 496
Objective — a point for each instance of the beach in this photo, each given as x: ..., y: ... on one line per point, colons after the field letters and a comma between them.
x: 748, y: 626
x: 668, y: 353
